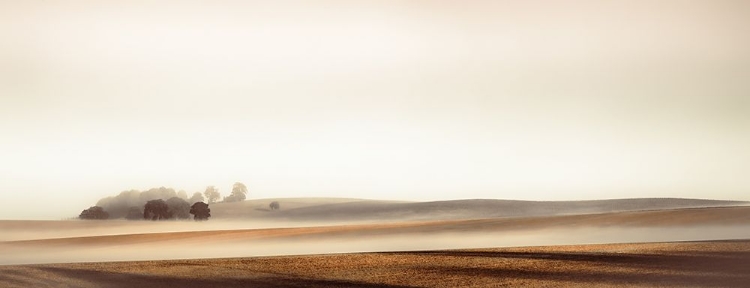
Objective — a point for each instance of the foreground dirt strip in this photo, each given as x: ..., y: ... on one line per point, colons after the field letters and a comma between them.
x: 685, y: 264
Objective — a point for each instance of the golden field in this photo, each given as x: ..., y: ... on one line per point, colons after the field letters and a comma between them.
x: 688, y: 264
x: 678, y: 247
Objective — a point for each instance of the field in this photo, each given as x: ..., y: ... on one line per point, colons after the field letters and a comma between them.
x: 690, y: 244
x: 690, y: 264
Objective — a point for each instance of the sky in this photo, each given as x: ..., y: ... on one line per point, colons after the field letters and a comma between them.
x: 407, y: 100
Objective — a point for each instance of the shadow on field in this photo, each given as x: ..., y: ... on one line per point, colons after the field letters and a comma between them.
x: 14, y: 278
x: 592, y: 278
x: 127, y: 280
x: 713, y: 269
x: 712, y: 264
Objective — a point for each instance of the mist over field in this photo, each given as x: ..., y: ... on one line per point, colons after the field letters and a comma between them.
x: 229, y: 130
x: 390, y: 100
x: 205, y: 247
x: 28, y: 242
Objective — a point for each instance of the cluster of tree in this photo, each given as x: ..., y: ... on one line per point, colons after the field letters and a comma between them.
x: 239, y: 192
x: 94, y: 213
x: 121, y: 206
x: 158, y: 209
x: 175, y: 208
x: 172, y: 208
x: 131, y: 204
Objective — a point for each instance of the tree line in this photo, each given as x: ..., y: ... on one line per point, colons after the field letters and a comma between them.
x: 158, y: 209
x: 149, y: 204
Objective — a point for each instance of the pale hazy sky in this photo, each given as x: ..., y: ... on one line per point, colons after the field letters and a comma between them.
x: 416, y: 100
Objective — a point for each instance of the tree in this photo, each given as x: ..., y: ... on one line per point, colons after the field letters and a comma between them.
x: 94, y: 213
x: 212, y: 194
x: 182, y: 194
x: 200, y: 211
x: 239, y: 192
x: 134, y: 213
x: 119, y: 205
x: 197, y: 197
x: 274, y: 205
x: 156, y: 210
x: 178, y: 208
x: 157, y: 193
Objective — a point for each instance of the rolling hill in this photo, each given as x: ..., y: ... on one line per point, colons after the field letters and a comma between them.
x: 347, y: 210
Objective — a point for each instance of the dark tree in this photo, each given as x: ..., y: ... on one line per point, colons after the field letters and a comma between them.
x: 156, y: 210
x: 134, y: 213
x: 200, y: 211
x: 178, y: 208
x: 94, y: 213
x: 274, y: 205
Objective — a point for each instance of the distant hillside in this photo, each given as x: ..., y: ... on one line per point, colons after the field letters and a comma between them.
x: 336, y: 209
x: 258, y: 208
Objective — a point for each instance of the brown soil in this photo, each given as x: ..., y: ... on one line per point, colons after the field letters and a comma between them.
x: 686, y: 264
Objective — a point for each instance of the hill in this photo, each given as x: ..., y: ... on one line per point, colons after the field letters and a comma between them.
x: 217, y: 239
x: 346, y: 210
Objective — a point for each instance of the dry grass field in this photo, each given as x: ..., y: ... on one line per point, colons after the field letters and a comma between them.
x: 687, y: 264
x: 702, y: 246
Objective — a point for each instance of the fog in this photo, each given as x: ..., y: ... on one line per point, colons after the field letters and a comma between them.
x: 403, y: 100
x: 399, y: 100
x: 277, y: 242
x: 30, y: 230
